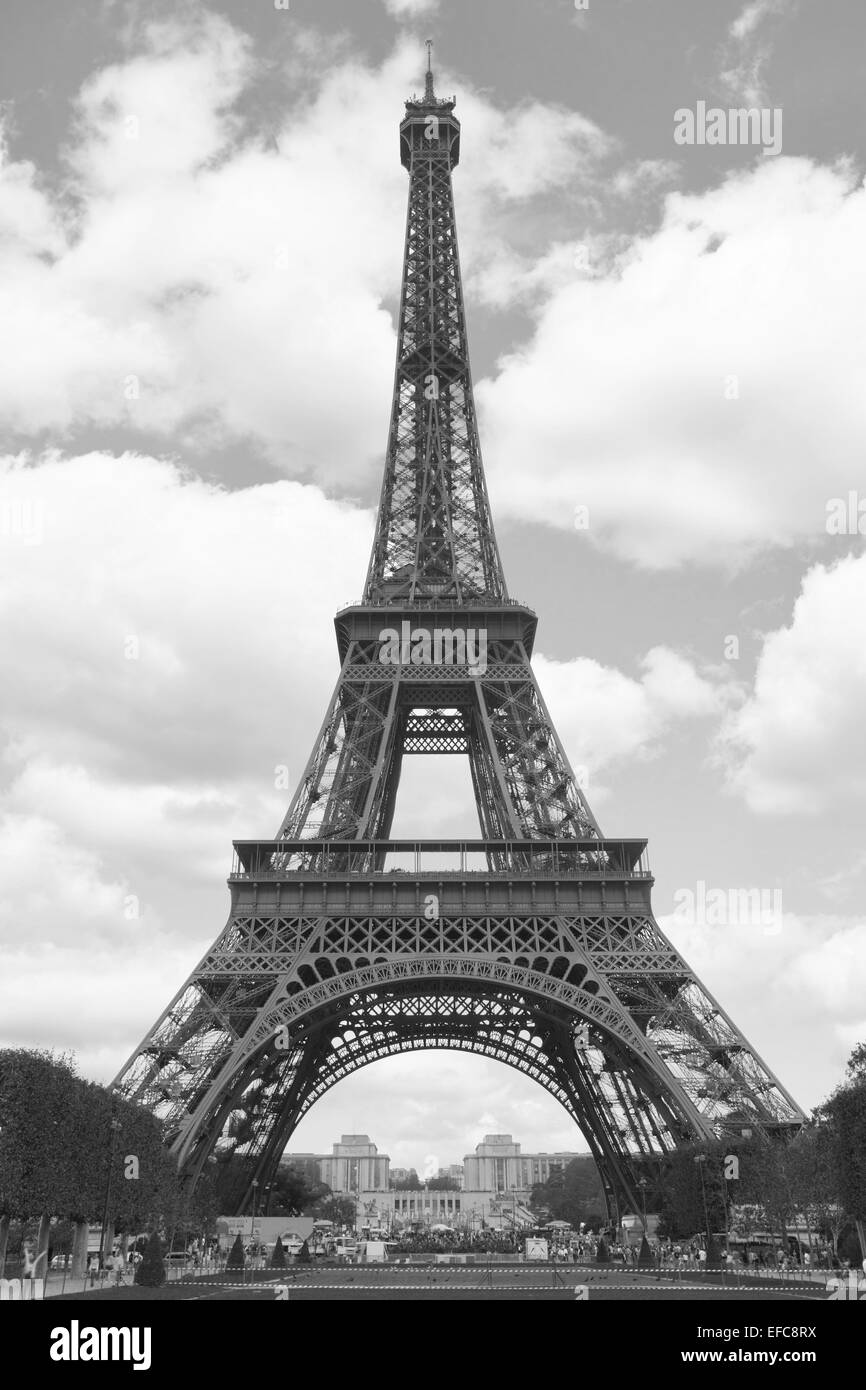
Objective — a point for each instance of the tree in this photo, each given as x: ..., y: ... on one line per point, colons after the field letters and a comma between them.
x: 63, y: 1139
x: 150, y: 1273
x: 336, y: 1208
x: 41, y: 1136
x: 443, y: 1184
x: 813, y: 1165
x: 691, y: 1191
x: 199, y: 1209
x: 296, y: 1189
x: 582, y: 1193
x: 303, y: 1256
x: 573, y: 1194
x: 278, y: 1258
x: 855, y: 1067
x: 747, y: 1219
x: 236, y: 1259
x: 411, y: 1183
x: 682, y: 1212
x: 846, y: 1111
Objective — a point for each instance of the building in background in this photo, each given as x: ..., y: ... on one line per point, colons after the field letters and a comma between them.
x: 354, y: 1165
x: 454, y: 1171
x: 461, y: 1210
x: 492, y: 1186
x: 498, y: 1166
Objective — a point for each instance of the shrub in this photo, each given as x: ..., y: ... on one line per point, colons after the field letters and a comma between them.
x: 236, y: 1259
x: 645, y: 1258
x: 150, y: 1272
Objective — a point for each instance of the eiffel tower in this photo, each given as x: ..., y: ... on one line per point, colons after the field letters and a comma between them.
x: 534, y: 945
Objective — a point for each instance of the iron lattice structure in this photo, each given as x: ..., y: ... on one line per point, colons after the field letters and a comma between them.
x: 534, y: 945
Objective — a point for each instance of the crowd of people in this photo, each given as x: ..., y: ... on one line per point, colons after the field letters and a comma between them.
x: 455, y: 1242
x: 584, y: 1247
x: 560, y: 1245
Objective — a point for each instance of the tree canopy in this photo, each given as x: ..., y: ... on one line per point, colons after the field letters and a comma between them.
x: 845, y: 1112
x: 573, y: 1194
x: 411, y: 1183
x: 61, y: 1135
x: 295, y: 1189
x: 817, y: 1175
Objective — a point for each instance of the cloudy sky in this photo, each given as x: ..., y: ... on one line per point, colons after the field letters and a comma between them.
x: 201, y: 223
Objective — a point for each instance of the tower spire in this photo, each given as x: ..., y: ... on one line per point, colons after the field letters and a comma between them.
x: 434, y: 535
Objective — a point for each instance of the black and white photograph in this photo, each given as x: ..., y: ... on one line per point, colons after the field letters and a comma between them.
x: 433, y: 631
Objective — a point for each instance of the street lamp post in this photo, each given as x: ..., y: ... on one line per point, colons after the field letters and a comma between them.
x: 700, y: 1160
x: 253, y: 1216
x: 114, y: 1124
x: 642, y: 1184
x: 726, y: 1198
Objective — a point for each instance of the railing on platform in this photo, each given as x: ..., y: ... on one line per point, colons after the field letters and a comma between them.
x: 433, y: 601
x: 597, y: 859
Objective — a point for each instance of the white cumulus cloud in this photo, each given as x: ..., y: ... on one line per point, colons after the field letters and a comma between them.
x: 798, y: 743
x: 211, y: 278
x: 410, y: 9
x: 604, y: 717
x: 705, y: 393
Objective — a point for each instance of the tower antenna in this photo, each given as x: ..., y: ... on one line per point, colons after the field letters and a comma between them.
x: 428, y: 88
